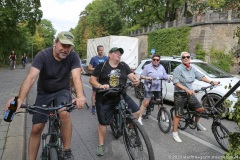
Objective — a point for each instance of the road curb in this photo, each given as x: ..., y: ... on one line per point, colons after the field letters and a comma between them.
x: 15, y: 140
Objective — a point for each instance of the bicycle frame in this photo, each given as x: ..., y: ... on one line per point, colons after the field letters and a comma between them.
x: 53, y: 131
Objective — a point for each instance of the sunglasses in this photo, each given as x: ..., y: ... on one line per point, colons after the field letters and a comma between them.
x: 184, y: 57
x: 156, y: 59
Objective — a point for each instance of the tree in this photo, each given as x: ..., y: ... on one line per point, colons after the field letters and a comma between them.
x: 17, y: 19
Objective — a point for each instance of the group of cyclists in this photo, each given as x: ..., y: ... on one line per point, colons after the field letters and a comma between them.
x: 13, y: 59
x: 54, y: 65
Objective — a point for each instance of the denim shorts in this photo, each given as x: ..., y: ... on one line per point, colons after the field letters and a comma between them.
x: 148, y: 94
x: 181, y: 99
x: 47, y: 99
x: 106, y: 107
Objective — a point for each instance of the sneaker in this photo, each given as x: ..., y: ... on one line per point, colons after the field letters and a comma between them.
x: 93, y: 110
x: 200, y: 127
x: 140, y: 120
x: 100, y: 150
x: 67, y: 155
x: 176, y: 137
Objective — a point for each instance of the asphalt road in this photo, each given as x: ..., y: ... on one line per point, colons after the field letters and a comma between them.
x: 196, y: 144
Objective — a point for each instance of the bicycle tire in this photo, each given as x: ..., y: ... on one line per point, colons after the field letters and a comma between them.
x: 221, y: 135
x: 183, y: 122
x: 44, y: 153
x: 137, y: 144
x: 164, y: 122
x: 53, y: 154
x: 191, y: 123
x: 139, y: 90
x: 114, y: 127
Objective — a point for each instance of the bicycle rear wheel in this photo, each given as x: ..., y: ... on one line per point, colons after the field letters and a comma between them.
x: 136, y: 141
x: 221, y: 133
x: 183, y: 123
x: 53, y: 154
x: 164, y: 120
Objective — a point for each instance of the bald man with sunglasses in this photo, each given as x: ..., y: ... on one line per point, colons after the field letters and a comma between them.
x: 183, y: 78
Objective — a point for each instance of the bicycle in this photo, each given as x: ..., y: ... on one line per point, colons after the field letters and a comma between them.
x: 219, y: 131
x: 12, y: 66
x: 136, y: 140
x: 163, y: 116
x: 53, y: 150
x: 23, y: 64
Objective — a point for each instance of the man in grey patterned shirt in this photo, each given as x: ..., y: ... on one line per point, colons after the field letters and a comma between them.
x: 183, y: 78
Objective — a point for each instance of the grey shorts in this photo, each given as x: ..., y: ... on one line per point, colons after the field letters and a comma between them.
x: 47, y: 99
x: 148, y: 94
x: 181, y: 99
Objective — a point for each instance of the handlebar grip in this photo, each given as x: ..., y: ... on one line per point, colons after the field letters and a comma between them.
x: 24, y: 106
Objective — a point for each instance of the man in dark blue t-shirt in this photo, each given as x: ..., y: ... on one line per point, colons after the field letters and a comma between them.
x: 53, y: 66
x: 100, y: 58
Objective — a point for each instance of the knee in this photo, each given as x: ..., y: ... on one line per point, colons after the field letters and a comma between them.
x: 64, y: 116
x: 200, y: 109
x: 136, y: 114
x: 37, y: 129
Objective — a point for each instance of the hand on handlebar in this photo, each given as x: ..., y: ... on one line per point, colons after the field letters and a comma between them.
x: 190, y: 92
x: 215, y: 83
x: 80, y: 102
x: 104, y: 86
x: 135, y: 81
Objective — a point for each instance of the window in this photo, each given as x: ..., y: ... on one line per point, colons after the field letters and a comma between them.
x: 173, y: 65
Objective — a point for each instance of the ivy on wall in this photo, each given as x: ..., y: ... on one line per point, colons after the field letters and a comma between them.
x: 168, y: 42
x: 220, y: 59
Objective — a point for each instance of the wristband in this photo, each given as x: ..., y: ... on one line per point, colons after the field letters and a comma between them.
x: 211, y: 82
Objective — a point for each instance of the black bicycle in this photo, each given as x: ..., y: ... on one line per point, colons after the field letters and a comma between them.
x: 53, y: 149
x: 135, y: 138
x: 163, y: 116
x: 219, y: 131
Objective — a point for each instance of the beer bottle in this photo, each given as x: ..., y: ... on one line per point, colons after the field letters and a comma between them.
x: 10, y: 113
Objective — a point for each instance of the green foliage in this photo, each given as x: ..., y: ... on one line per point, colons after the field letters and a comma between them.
x: 234, y: 138
x: 200, y: 53
x: 170, y: 41
x: 220, y: 59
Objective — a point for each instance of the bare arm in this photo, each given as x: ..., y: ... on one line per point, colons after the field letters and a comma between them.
x: 135, y: 80
x: 27, y: 84
x: 90, y: 67
x: 94, y: 82
x: 76, y: 77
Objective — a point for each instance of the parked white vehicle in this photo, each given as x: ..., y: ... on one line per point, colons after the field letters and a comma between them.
x: 211, y: 72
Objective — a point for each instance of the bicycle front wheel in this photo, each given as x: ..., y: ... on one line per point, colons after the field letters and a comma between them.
x: 114, y: 127
x: 53, y: 154
x: 136, y: 141
x: 164, y: 120
x: 221, y: 133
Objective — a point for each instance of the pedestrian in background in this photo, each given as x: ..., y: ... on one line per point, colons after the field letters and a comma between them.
x: 94, y: 62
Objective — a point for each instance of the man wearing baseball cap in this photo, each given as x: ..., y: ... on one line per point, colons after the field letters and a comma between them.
x: 53, y: 65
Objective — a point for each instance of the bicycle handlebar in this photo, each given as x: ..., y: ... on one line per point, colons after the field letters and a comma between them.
x: 205, y: 88
x: 69, y: 107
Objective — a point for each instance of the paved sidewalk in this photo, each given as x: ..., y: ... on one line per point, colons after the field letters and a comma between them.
x: 12, y: 135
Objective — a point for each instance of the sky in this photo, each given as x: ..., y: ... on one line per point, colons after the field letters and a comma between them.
x: 64, y: 14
